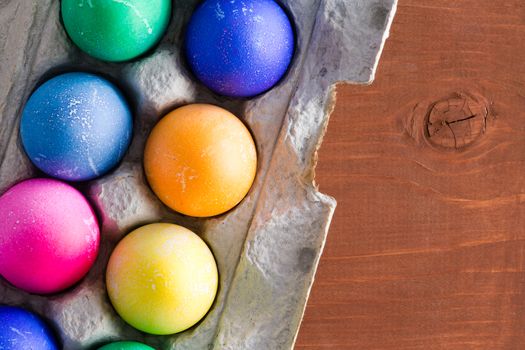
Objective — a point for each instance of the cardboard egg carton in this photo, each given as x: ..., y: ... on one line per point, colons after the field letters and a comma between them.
x: 267, y: 249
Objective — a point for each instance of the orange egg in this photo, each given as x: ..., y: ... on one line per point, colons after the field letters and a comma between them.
x: 200, y: 160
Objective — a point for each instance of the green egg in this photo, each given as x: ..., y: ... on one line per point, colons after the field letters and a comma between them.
x: 116, y: 30
x: 126, y: 345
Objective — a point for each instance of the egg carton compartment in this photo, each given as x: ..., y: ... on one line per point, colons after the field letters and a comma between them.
x: 268, y: 247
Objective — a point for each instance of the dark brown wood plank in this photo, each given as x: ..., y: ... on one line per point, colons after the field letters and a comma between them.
x: 427, y: 247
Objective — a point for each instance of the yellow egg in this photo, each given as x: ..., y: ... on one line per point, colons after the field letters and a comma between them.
x: 200, y: 160
x: 162, y: 278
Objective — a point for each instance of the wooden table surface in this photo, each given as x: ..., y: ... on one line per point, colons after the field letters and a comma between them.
x: 427, y: 247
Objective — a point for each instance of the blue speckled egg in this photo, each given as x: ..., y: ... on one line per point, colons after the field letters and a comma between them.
x: 76, y: 126
x: 21, y: 329
x: 239, y: 48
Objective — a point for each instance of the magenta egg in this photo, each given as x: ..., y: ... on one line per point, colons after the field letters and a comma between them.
x: 49, y: 236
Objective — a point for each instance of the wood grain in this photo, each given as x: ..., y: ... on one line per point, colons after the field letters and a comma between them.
x: 427, y: 247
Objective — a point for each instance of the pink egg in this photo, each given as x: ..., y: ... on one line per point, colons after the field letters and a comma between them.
x: 49, y: 236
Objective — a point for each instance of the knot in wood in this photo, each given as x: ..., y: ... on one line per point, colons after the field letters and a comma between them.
x: 457, y: 121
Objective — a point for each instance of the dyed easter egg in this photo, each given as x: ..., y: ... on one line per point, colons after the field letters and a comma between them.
x: 23, y: 330
x: 200, y: 160
x: 116, y: 30
x: 126, y: 345
x: 76, y: 126
x: 162, y: 278
x: 49, y: 236
x: 239, y: 48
